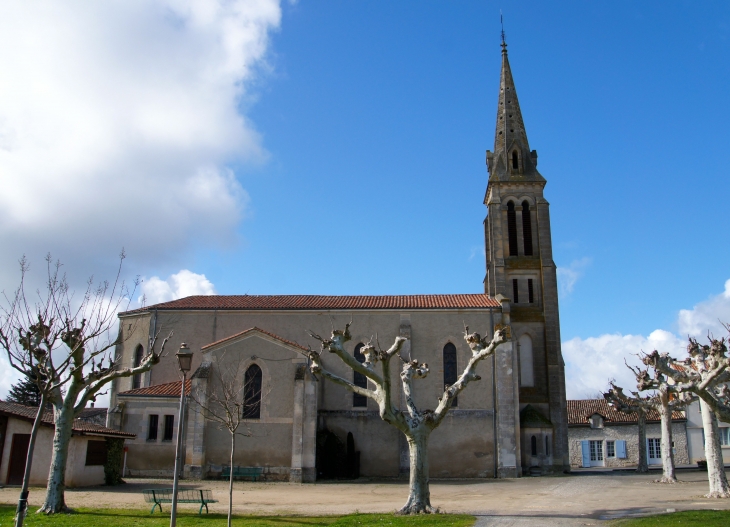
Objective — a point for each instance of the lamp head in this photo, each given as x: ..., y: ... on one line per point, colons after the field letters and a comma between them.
x: 184, y: 358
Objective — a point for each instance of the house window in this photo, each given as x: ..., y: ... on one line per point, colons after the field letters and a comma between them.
x: 724, y: 436
x: 358, y: 379
x: 512, y: 228
x: 138, y: 356
x: 169, y: 428
x: 596, y: 450
x: 450, y: 376
x: 152, y: 428
x: 530, y: 291
x: 533, y: 445
x: 526, y: 228
x: 95, y: 453
x: 252, y: 392
x: 610, y: 449
x: 515, y: 291
x: 655, y: 448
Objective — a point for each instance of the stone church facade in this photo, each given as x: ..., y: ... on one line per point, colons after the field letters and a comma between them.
x: 512, y: 422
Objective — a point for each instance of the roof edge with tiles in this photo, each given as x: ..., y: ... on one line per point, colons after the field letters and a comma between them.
x: 320, y: 302
x: 168, y: 389
x: 580, y: 410
x: 251, y: 331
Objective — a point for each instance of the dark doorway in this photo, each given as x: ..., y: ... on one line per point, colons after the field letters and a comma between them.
x: 18, y: 455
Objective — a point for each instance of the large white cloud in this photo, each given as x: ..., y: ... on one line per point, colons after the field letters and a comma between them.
x: 118, y: 121
x: 179, y: 285
x: 591, y: 362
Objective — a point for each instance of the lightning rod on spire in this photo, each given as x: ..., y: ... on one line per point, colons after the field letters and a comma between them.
x: 501, y: 21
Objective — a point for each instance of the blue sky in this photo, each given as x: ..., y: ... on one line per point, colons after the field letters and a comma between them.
x: 338, y: 148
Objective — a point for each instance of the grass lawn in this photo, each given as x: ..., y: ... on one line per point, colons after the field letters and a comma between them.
x: 185, y: 518
x: 685, y: 519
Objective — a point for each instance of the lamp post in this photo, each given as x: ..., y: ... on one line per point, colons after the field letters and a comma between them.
x: 184, y: 360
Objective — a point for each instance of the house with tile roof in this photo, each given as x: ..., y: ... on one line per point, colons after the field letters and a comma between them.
x: 601, y: 436
x: 87, y: 450
x: 295, y: 413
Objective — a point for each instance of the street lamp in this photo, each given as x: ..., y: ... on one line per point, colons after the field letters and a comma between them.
x: 184, y: 361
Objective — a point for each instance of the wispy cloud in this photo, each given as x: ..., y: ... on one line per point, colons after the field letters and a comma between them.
x: 569, y: 276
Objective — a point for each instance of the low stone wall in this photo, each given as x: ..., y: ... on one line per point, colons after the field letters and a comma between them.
x: 630, y: 434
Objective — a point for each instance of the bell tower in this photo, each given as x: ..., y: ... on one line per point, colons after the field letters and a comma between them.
x: 520, y: 267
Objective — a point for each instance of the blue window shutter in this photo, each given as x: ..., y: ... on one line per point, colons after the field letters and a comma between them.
x: 586, y: 451
x: 621, y: 449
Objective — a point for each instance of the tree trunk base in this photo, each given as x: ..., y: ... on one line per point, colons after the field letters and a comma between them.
x: 666, y: 479
x: 718, y: 494
x: 642, y: 470
x: 63, y: 509
x: 418, y: 508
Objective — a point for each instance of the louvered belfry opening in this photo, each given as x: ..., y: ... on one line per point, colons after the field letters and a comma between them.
x: 515, y: 291
x: 450, y: 373
x: 138, y: 356
x: 512, y: 228
x: 358, y: 379
x: 527, y: 228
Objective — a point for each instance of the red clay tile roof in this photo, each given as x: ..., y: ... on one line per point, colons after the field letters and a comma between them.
x: 253, y: 330
x: 170, y: 389
x: 580, y: 410
x: 29, y: 412
x: 317, y: 302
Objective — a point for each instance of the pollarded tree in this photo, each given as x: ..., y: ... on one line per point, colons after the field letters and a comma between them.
x: 66, y: 341
x: 704, y: 372
x: 634, y: 404
x: 415, y: 424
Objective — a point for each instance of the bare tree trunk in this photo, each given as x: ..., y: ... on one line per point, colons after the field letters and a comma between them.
x: 643, y: 466
x: 713, y: 452
x: 665, y: 412
x: 230, y: 480
x: 419, y: 497
x: 55, y: 500
x: 23, y: 500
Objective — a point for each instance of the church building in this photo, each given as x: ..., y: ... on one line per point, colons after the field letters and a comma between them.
x: 299, y: 428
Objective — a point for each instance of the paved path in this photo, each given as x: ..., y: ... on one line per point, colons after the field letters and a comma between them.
x: 574, y: 500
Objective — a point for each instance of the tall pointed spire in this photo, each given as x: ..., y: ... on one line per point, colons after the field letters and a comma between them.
x: 511, y: 157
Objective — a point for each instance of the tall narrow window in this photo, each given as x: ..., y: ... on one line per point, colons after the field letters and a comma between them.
x: 527, y: 228
x: 450, y: 367
x: 512, y: 228
x: 152, y: 428
x: 534, y: 445
x: 515, y: 291
x: 169, y: 428
x: 527, y: 370
x: 530, y: 291
x: 358, y: 379
x: 515, y: 160
x: 252, y: 392
x: 547, y: 445
x: 138, y: 356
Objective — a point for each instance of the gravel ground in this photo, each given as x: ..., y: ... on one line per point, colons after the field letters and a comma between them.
x: 578, y: 499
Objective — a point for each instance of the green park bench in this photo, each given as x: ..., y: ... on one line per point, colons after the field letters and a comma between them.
x: 242, y: 472
x: 159, y: 496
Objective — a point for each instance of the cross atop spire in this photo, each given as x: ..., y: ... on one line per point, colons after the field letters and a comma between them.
x: 504, y: 43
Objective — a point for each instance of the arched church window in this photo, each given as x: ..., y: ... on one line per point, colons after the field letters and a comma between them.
x: 138, y: 356
x: 252, y: 392
x: 527, y: 228
x: 450, y: 375
x: 534, y: 445
x: 527, y: 374
x: 515, y: 159
x: 512, y: 228
x: 358, y: 379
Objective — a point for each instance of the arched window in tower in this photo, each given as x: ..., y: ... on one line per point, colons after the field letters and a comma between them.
x: 527, y: 228
x: 515, y: 160
x: 450, y: 374
x: 533, y: 445
x: 252, y: 392
x: 512, y: 228
x: 358, y: 379
x: 527, y: 371
x: 138, y: 356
